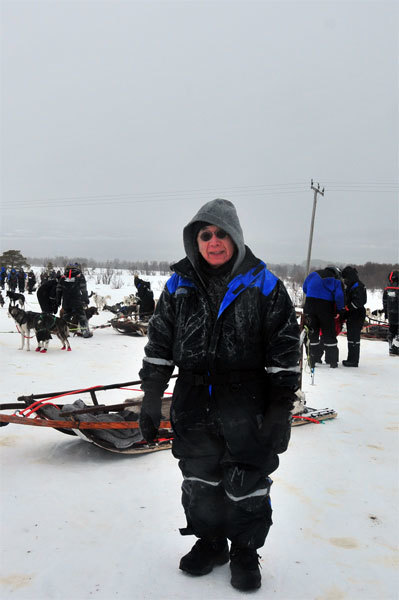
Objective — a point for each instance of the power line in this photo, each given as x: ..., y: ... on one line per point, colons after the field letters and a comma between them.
x: 146, y: 197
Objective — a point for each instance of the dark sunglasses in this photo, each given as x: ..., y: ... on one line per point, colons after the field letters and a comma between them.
x: 206, y: 236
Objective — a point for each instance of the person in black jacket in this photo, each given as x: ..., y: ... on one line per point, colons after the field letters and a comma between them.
x: 47, y: 297
x: 146, y: 297
x: 71, y: 289
x: 324, y: 299
x: 356, y: 298
x: 31, y: 282
x: 390, y: 301
x: 229, y: 326
x: 21, y: 276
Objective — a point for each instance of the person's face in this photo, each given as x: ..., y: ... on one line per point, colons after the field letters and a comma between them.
x: 216, y: 251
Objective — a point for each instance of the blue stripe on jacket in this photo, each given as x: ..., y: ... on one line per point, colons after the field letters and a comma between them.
x: 258, y: 276
x: 325, y: 288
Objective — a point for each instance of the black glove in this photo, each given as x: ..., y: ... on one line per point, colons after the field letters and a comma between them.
x: 276, y: 428
x: 150, y: 416
x: 343, y: 314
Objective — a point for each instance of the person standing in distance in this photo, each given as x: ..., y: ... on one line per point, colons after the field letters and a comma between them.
x: 356, y: 298
x: 229, y: 326
x: 390, y: 301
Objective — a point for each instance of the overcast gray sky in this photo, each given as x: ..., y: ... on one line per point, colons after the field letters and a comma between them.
x: 120, y: 119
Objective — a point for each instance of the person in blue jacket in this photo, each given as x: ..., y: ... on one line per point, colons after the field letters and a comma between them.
x: 356, y: 298
x: 324, y: 299
x: 229, y: 326
x: 3, y: 277
x: 12, y: 280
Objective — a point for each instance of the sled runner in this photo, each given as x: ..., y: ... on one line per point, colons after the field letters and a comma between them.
x: 375, y: 329
x: 112, y: 427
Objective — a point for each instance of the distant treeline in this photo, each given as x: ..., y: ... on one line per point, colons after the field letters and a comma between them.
x: 373, y: 275
x: 145, y: 266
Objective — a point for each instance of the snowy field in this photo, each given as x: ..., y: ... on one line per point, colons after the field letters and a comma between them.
x: 78, y: 522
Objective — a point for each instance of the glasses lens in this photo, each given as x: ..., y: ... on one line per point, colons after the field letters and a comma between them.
x: 206, y: 236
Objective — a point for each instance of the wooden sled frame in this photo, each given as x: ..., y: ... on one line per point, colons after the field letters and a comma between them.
x: 29, y: 411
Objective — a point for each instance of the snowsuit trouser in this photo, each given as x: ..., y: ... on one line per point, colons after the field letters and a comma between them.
x: 220, y: 498
x: 393, y: 333
x: 324, y: 321
x: 354, y: 326
x: 79, y: 314
x: 21, y: 285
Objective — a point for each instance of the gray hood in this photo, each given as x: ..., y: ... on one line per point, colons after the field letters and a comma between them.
x: 221, y: 213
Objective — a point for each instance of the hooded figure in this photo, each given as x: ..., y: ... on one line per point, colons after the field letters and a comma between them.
x: 356, y: 298
x: 228, y: 325
x: 390, y: 301
x: 71, y: 290
x: 146, y: 297
x: 31, y: 282
x: 324, y: 299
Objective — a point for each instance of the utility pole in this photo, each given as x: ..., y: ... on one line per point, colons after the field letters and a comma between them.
x: 316, y: 190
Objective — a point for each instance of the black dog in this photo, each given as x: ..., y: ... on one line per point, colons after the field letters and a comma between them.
x: 15, y: 297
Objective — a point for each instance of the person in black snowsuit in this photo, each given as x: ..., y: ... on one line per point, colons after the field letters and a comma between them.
x: 356, y: 298
x: 31, y: 281
x: 229, y: 326
x: 390, y: 301
x: 47, y: 297
x: 71, y: 290
x: 12, y: 280
x: 3, y: 277
x: 324, y: 298
x: 146, y: 297
x: 21, y: 275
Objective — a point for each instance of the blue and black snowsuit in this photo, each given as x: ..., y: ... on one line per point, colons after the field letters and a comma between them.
x: 235, y: 340
x: 324, y: 298
x: 12, y: 280
x: 356, y: 298
x: 3, y: 277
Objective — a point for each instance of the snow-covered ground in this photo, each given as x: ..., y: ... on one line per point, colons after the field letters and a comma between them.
x: 78, y: 522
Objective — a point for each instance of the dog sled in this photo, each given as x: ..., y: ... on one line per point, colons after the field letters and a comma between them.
x: 375, y: 329
x: 115, y: 427
x: 112, y: 427
x: 129, y: 326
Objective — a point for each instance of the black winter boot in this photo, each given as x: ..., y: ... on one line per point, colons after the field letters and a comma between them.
x: 244, y: 566
x: 204, y: 555
x: 353, y: 355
